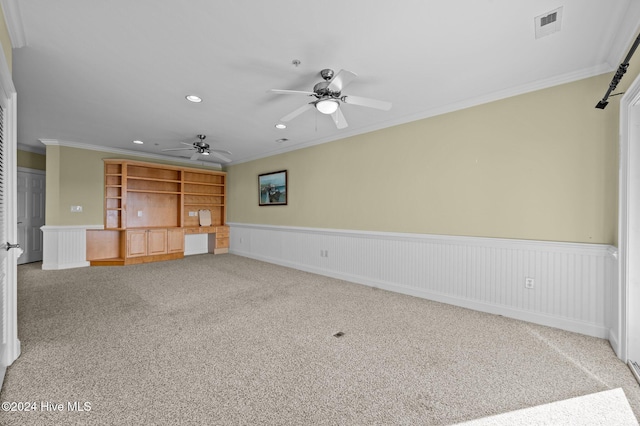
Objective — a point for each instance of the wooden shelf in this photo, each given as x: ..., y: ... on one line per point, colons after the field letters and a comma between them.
x: 153, y: 179
x: 203, y: 183
x: 153, y: 192
x: 143, y: 199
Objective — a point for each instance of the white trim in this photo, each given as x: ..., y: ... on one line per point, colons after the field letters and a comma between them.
x: 583, y: 248
x: 629, y: 183
x: 15, y: 26
x: 65, y: 247
x: 146, y: 155
x: 70, y: 227
x: 573, y: 280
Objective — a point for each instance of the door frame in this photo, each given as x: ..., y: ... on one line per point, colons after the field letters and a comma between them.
x: 628, y: 320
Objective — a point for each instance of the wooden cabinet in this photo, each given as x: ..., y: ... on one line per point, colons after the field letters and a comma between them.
x: 175, y: 240
x: 219, y: 242
x: 149, y: 207
x: 137, y: 243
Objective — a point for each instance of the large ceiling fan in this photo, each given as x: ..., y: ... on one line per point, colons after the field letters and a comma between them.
x: 202, y: 148
x: 328, y: 97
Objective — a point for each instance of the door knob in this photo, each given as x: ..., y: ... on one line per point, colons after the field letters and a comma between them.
x: 12, y: 246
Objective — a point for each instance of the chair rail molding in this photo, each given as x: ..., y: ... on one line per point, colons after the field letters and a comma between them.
x: 574, y: 284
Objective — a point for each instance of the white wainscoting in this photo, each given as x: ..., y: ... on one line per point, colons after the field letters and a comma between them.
x: 65, y: 247
x: 575, y: 284
x: 196, y: 244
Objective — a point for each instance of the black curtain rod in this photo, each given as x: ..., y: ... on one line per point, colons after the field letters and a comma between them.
x: 621, y: 70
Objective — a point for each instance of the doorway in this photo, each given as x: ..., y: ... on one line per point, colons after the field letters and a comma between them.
x: 30, y: 213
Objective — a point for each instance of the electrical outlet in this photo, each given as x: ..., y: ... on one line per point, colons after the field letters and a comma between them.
x: 529, y: 283
x: 139, y: 213
x: 192, y: 214
x: 76, y: 209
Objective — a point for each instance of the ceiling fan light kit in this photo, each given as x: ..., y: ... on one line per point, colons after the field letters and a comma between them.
x: 327, y: 106
x: 329, y: 97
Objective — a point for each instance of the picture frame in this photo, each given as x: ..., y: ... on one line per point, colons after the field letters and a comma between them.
x: 273, y: 189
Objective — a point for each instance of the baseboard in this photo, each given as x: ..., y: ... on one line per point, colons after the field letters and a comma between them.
x: 573, y: 281
x: 57, y: 266
x: 615, y: 343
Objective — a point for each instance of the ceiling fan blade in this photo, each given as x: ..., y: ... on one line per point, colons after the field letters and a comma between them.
x: 177, y: 149
x: 341, y: 80
x: 188, y: 144
x: 224, y: 151
x: 216, y: 153
x: 297, y: 112
x: 371, y: 103
x: 291, y: 92
x: 339, y: 119
x: 195, y: 156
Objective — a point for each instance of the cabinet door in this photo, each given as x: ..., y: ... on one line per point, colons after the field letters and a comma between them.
x: 157, y: 241
x: 175, y: 240
x: 136, y: 243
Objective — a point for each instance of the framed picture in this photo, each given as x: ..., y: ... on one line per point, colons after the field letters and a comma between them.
x: 272, y: 188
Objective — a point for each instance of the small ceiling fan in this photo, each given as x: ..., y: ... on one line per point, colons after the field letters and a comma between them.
x: 202, y: 148
x: 328, y: 97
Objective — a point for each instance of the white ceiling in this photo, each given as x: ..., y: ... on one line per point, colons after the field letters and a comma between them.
x: 106, y: 72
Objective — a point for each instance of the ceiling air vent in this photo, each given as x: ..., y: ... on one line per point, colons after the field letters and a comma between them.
x: 548, y: 23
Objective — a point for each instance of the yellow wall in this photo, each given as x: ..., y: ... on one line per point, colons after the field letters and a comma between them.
x: 31, y: 160
x: 537, y: 166
x: 5, y: 40
x: 75, y: 177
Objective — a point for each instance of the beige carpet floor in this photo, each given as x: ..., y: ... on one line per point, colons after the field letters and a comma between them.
x: 223, y: 340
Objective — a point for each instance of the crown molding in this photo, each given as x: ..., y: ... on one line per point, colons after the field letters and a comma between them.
x: 145, y: 155
x: 15, y: 26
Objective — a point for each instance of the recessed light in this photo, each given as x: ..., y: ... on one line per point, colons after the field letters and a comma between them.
x: 138, y: 142
x: 281, y: 140
x: 193, y: 98
x: 281, y: 126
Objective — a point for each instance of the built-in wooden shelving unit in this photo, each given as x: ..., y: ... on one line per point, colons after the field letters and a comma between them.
x: 149, y: 207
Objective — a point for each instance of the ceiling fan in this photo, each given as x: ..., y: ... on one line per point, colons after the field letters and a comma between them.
x: 328, y: 97
x: 202, y: 148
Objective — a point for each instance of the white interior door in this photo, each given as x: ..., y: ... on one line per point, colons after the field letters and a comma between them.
x: 9, y: 252
x: 30, y: 210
